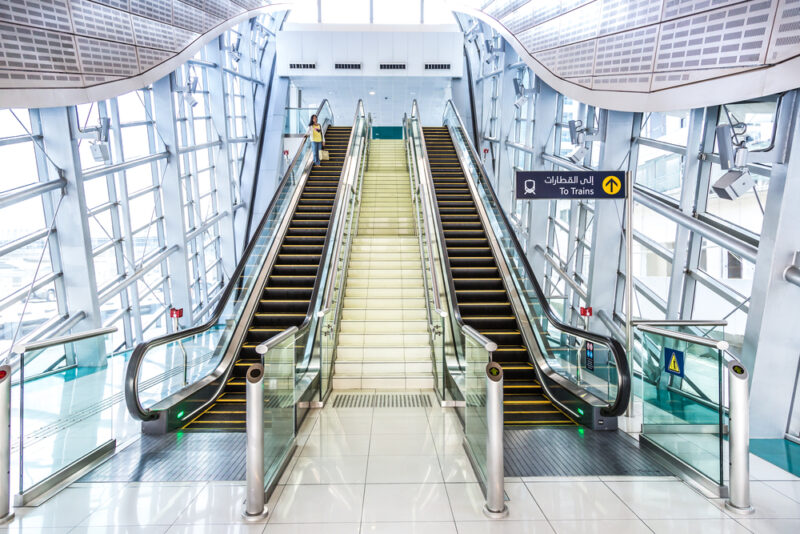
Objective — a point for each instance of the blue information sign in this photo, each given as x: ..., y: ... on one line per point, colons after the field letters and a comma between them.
x: 673, y: 362
x: 532, y: 185
x: 589, y: 356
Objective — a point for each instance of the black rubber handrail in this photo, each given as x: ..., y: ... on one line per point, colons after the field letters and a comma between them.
x: 620, y: 403
x: 137, y: 356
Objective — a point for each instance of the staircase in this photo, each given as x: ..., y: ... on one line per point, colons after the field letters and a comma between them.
x: 383, y: 339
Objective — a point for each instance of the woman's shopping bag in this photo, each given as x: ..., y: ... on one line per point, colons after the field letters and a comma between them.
x: 323, y: 155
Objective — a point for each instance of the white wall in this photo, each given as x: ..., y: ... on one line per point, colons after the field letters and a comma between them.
x: 327, y: 44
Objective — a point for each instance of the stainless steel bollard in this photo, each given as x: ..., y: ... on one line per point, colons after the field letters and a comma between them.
x: 255, y: 508
x: 495, y: 494
x: 739, y: 439
x: 6, y: 514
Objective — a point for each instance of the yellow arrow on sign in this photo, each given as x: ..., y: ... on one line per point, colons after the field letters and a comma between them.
x: 611, y: 185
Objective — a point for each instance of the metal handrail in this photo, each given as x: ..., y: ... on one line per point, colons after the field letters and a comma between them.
x: 689, y: 322
x: 37, y: 345
x: 329, y: 285
x: 623, y: 371
x: 437, y: 305
x: 485, y: 342
x: 132, y: 372
x: 713, y: 343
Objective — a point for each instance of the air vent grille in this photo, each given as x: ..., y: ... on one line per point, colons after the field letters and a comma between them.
x: 437, y: 66
x: 393, y: 66
x: 347, y: 66
x: 302, y: 65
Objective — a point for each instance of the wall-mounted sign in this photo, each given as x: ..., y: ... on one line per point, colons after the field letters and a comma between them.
x: 533, y: 185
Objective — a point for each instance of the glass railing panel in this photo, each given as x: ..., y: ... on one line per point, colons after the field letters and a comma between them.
x: 475, y: 422
x: 688, y: 427
x: 279, y: 401
x: 61, y: 417
x: 565, y: 353
x: 297, y: 120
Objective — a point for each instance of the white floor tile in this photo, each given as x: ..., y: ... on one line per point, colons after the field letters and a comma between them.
x: 327, y: 503
x: 406, y: 502
x: 696, y: 526
x: 408, y: 528
x: 66, y: 509
x: 790, y: 488
x: 403, y: 469
x: 664, y: 500
x: 144, y: 505
x: 400, y: 445
x: 313, y: 528
x: 761, y: 469
x: 120, y: 529
x: 578, y: 501
x: 771, y: 526
x: 457, y: 468
x: 238, y: 528
x: 769, y: 503
x: 329, y: 470
x: 504, y: 527
x: 215, y: 504
x: 14, y: 529
x: 467, y: 502
x: 406, y: 425
x: 336, y: 445
x: 595, y: 526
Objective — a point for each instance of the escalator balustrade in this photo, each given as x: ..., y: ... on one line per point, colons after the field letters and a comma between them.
x: 481, y: 296
x: 286, y: 297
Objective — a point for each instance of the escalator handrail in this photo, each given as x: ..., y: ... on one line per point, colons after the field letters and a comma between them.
x: 445, y: 258
x: 135, y: 407
x: 623, y: 371
x: 328, y: 294
x: 437, y: 305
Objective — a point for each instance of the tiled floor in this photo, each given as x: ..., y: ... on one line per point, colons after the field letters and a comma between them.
x: 403, y: 470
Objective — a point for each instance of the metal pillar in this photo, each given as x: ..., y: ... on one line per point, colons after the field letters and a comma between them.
x: 59, y: 130
x: 771, y: 335
x: 6, y: 514
x: 739, y: 439
x: 495, y: 507
x: 255, y: 505
x: 222, y: 156
x: 174, y: 227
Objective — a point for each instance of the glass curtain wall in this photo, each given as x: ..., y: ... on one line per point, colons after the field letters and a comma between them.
x: 518, y: 116
x: 132, y: 222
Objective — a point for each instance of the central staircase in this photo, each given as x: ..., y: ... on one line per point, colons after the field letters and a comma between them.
x: 383, y: 340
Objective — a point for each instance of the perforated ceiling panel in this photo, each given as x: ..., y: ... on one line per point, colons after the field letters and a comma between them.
x: 83, y: 43
x: 646, y: 46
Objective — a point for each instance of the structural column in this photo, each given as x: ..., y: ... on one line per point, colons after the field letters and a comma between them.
x: 60, y: 134
x: 772, y: 336
x: 175, y: 230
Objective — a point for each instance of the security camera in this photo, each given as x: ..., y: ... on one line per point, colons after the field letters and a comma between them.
x: 733, y: 184
x: 578, y: 153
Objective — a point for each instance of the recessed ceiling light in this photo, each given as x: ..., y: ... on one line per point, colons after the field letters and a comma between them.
x: 372, y: 93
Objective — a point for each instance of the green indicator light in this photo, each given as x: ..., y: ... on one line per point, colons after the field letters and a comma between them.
x: 580, y: 412
x: 580, y: 431
x: 180, y: 414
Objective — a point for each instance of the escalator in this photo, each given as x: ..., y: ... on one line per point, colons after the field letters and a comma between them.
x: 481, y: 296
x: 194, y: 379
x: 286, y: 297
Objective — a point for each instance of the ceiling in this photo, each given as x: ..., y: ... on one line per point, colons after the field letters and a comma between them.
x: 392, y: 98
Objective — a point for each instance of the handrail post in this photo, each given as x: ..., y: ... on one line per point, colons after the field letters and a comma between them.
x: 739, y: 439
x: 495, y: 507
x: 255, y: 507
x: 6, y: 514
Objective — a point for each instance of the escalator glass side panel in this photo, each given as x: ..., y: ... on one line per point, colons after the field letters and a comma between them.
x: 286, y: 296
x: 481, y: 296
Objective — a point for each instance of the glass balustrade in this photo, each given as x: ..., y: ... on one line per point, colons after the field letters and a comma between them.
x: 681, y: 409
